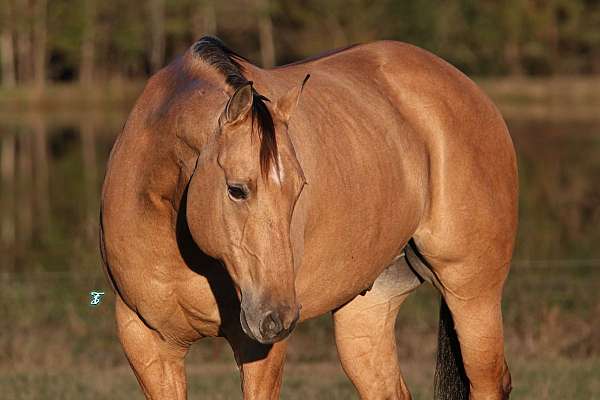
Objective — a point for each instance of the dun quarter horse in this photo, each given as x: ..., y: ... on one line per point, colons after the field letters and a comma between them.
x: 238, y: 201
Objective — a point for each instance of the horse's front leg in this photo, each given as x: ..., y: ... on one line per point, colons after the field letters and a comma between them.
x: 261, y: 366
x: 157, y: 363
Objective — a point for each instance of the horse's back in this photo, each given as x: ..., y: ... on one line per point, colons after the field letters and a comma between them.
x: 472, y: 177
x: 446, y: 136
x: 464, y: 135
x: 446, y: 109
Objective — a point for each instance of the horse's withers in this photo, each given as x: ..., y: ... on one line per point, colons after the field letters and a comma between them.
x: 240, y: 204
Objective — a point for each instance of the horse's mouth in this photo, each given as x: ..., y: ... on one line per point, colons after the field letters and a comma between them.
x: 265, y: 338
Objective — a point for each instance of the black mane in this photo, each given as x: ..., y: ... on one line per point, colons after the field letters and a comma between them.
x: 213, y: 51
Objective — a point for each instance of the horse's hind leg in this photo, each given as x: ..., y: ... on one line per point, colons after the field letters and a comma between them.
x: 365, y: 335
x: 157, y: 364
x: 472, y: 289
x: 477, y: 319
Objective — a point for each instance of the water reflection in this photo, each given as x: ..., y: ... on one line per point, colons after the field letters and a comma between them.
x: 559, y: 168
x: 51, y: 170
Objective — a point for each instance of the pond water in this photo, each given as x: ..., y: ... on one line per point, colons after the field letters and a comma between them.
x: 52, y: 165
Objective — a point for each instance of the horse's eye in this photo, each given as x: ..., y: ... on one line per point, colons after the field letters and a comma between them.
x: 237, y: 192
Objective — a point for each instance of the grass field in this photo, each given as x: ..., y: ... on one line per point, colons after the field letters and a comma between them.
x: 544, y: 379
x: 56, y: 346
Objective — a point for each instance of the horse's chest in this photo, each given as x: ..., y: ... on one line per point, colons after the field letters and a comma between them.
x: 170, y: 309
x: 152, y: 299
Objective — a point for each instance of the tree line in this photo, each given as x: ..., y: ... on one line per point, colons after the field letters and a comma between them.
x: 93, y: 41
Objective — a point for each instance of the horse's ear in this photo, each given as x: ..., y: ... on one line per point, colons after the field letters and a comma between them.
x: 286, y: 103
x: 238, y: 106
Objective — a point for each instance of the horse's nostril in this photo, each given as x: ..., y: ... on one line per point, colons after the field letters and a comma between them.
x: 271, y: 325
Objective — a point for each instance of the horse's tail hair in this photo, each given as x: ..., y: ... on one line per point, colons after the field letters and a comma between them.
x: 450, y: 382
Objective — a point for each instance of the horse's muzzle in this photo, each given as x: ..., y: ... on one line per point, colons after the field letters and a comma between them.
x: 272, y: 326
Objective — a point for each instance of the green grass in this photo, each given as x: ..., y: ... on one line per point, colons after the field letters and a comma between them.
x: 542, y: 379
x: 56, y: 346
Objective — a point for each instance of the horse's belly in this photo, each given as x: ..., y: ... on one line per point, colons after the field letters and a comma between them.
x: 332, y: 276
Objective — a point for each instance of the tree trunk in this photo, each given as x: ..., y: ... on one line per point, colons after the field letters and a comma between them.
x: 7, y: 51
x: 157, y: 26
x: 204, y: 19
x: 8, y: 59
x: 554, y: 41
x: 512, y: 57
x: 265, y: 29
x: 7, y: 172
x: 24, y: 47
x: 40, y: 37
x: 86, y: 67
x: 25, y: 194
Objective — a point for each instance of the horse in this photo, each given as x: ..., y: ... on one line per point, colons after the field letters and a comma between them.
x: 239, y: 201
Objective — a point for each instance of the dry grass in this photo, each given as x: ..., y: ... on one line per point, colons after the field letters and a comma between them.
x: 56, y: 346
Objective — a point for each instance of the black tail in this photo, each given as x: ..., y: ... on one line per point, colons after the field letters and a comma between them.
x: 450, y: 381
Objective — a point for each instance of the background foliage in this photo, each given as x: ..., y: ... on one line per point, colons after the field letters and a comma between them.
x: 95, y: 40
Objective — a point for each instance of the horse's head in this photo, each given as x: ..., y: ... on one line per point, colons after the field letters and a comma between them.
x: 240, y: 203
